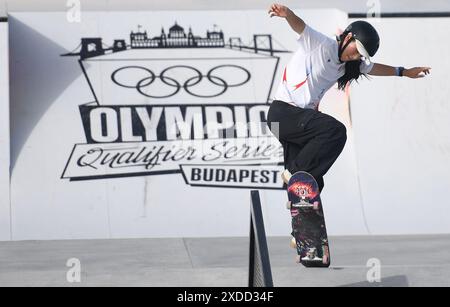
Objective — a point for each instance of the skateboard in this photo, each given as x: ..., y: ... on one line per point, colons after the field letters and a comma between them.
x: 308, y: 221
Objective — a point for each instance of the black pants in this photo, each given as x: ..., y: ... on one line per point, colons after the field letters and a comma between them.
x: 311, y: 140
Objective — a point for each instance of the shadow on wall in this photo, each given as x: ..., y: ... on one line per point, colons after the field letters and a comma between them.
x: 38, y: 75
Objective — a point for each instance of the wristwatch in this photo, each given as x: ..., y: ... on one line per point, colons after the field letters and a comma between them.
x: 400, y: 71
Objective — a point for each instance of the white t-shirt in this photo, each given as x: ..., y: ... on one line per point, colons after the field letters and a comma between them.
x: 313, y: 70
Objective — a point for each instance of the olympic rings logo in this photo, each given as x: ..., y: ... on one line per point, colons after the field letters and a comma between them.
x: 213, y: 76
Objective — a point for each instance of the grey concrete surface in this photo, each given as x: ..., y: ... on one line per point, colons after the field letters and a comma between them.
x: 405, y: 261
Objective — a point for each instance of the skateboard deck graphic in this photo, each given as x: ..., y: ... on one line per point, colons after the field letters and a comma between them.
x: 308, y: 221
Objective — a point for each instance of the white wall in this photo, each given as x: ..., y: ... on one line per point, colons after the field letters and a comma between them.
x: 402, y: 131
x: 46, y: 125
x: 4, y: 135
x: 398, y: 127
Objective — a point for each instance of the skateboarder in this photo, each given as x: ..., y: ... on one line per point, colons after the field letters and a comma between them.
x: 312, y: 140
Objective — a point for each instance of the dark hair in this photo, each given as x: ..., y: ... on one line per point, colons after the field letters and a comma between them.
x: 352, y: 68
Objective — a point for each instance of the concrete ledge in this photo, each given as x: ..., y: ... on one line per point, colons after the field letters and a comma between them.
x: 351, y: 6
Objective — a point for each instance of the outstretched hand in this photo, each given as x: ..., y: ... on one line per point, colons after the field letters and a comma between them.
x: 416, y: 72
x: 278, y: 10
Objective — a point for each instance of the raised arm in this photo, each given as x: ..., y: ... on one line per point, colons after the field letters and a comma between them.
x: 296, y: 23
x: 386, y: 70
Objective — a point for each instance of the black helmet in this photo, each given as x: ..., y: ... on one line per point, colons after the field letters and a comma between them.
x: 367, y: 39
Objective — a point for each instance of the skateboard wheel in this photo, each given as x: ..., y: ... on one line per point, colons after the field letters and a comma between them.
x: 293, y: 243
x: 288, y: 205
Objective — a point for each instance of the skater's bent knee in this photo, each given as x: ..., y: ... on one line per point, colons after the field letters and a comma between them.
x: 341, y: 132
x: 340, y: 128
